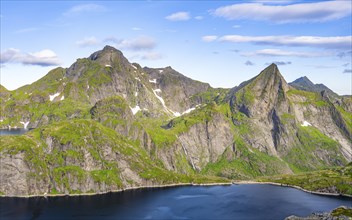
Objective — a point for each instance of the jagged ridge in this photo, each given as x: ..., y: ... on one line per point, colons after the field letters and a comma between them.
x: 166, y: 123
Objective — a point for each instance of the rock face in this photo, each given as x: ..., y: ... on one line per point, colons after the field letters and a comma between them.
x: 105, y: 124
x: 340, y: 213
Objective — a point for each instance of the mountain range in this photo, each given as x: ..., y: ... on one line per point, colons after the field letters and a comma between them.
x: 106, y: 124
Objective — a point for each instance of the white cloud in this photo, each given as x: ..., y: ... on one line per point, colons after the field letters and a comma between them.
x: 140, y: 43
x: 284, y: 53
x: 84, y: 8
x: 199, y: 17
x: 137, y: 29
x: 152, y: 56
x: 209, y: 38
x: 293, y: 13
x: 88, y: 41
x: 179, y: 16
x: 44, y: 57
x: 304, y: 41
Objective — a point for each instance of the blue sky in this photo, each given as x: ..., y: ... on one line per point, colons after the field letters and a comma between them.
x: 220, y: 42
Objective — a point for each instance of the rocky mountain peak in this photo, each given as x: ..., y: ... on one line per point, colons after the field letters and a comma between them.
x: 263, y: 94
x: 108, y: 55
x: 303, y: 83
x: 269, y: 80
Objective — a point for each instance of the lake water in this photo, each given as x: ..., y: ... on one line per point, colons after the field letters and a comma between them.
x: 13, y: 131
x: 189, y: 202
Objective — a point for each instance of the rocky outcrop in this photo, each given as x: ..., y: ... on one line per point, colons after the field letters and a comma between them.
x: 176, y: 89
x: 340, y: 213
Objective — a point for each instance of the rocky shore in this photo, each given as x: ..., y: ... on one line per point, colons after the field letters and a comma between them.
x: 340, y: 213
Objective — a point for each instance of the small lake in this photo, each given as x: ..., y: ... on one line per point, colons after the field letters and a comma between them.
x: 13, y: 131
x: 189, y: 202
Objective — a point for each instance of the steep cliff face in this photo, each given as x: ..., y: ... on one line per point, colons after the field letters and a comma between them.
x: 105, y: 124
x: 286, y: 122
x: 78, y: 156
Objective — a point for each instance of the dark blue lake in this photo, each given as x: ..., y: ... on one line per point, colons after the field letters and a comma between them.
x: 188, y: 202
x: 13, y: 131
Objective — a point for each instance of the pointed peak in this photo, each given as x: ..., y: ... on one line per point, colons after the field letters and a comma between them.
x: 107, y: 50
x: 273, y: 65
x: 270, y: 71
x: 303, y: 79
x: 110, y: 48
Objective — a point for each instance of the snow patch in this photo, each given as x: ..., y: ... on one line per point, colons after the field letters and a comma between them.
x: 107, y: 65
x: 1, y: 120
x: 136, y: 94
x: 306, y: 123
x: 135, y: 109
x: 152, y: 81
x: 137, y: 79
x: 176, y: 114
x: 62, y: 98
x: 160, y: 71
x: 87, y: 86
x: 142, y: 73
x: 134, y: 66
x: 188, y: 111
x: 25, y: 124
x: 159, y: 97
x: 52, y: 97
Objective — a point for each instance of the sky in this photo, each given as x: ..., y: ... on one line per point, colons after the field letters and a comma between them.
x: 222, y: 43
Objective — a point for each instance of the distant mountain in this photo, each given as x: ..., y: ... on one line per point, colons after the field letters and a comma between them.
x: 106, y: 124
x: 303, y: 83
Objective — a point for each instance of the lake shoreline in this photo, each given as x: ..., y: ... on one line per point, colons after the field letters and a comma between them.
x: 119, y: 190
x: 244, y: 182
x: 293, y: 186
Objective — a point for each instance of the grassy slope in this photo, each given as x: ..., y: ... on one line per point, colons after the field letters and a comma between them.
x: 337, y: 179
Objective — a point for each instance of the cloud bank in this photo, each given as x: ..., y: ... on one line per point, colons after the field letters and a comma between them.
x: 337, y: 42
x: 43, y: 58
x: 293, y: 13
